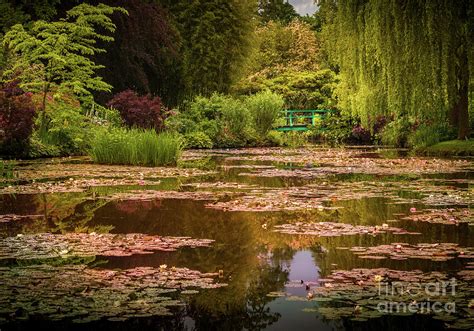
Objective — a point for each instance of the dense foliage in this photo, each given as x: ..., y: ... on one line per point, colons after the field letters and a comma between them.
x: 286, y: 60
x: 54, y: 57
x: 146, y: 52
x: 224, y: 121
x: 144, y: 112
x: 385, y: 69
x: 276, y: 10
x: 409, y: 60
x: 24, y: 11
x: 67, y: 131
x: 281, y: 48
x: 17, y: 114
x: 265, y: 109
x: 216, y: 39
x: 300, y: 90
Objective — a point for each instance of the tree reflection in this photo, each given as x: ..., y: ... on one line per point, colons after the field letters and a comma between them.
x: 218, y: 310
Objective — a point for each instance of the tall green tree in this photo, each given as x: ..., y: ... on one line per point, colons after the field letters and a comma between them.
x: 55, y: 57
x: 281, y: 48
x: 411, y: 59
x: 287, y: 60
x: 216, y: 40
x: 277, y: 11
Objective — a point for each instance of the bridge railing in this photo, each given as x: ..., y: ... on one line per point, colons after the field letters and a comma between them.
x: 293, y: 116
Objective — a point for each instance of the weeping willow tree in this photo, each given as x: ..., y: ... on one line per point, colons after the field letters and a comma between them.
x: 411, y: 60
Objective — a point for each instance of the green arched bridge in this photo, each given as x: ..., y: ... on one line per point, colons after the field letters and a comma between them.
x: 299, y: 120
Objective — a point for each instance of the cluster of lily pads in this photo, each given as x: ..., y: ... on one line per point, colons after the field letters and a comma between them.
x: 7, y: 218
x: 77, y: 177
x: 320, y: 195
x: 402, y: 251
x: 84, y: 294
x: 362, y: 294
x: 332, y: 229
x: 450, y: 216
x: 220, y: 185
x: 159, y: 195
x: 345, y: 161
x: 47, y: 245
x: 468, y: 273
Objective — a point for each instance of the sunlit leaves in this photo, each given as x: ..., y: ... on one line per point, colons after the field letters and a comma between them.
x: 55, y: 56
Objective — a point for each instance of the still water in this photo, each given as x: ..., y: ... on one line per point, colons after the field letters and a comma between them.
x: 255, y: 261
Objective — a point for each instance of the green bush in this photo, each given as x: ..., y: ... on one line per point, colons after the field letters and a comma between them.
x: 197, y: 139
x: 221, y: 119
x: 224, y: 121
x: 299, y: 89
x: 276, y: 138
x: 37, y: 148
x: 135, y: 147
x: 396, y: 133
x: 430, y: 134
x: 337, y: 128
x: 265, y: 108
x: 450, y: 148
x: 234, y: 123
x: 413, y: 134
x: 67, y: 129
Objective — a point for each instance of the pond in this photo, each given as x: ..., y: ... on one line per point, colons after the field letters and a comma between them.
x: 253, y: 239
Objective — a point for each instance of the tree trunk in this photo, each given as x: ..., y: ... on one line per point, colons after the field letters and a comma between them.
x: 459, y: 116
x: 460, y: 111
x: 43, y: 109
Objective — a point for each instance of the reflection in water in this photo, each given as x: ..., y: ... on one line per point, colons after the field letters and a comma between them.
x: 255, y: 260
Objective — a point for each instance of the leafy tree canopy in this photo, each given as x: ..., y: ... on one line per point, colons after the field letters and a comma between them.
x: 284, y: 47
x: 55, y: 56
x: 217, y: 36
x: 276, y: 10
x: 287, y: 60
x: 408, y: 59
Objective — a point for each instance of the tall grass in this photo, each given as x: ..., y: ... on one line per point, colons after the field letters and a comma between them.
x: 265, y: 108
x: 6, y: 170
x: 135, y: 147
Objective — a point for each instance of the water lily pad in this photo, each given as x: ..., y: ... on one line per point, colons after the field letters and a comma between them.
x: 331, y: 229
x: 86, y: 294
x: 47, y: 245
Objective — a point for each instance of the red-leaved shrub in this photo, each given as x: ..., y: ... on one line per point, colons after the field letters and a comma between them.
x: 140, y: 111
x: 17, y: 113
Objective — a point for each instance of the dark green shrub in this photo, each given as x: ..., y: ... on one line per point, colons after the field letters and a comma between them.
x: 337, y: 128
x: 430, y: 134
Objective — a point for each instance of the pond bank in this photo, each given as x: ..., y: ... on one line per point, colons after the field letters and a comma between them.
x: 450, y: 148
